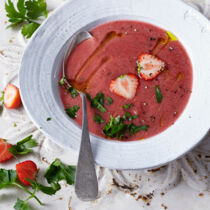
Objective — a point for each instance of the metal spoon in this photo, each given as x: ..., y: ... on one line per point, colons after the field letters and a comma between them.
x: 86, y: 184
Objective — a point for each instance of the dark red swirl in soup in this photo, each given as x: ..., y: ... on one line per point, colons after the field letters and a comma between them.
x: 112, y: 52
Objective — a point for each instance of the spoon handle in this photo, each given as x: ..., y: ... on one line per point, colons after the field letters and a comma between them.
x: 86, y: 184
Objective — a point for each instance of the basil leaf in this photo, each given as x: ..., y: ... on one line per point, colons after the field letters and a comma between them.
x: 98, y: 119
x: 62, y: 81
x: 110, y: 100
x: 7, y: 177
x: 126, y: 106
x: 72, y: 111
x: 115, y: 127
x: 134, y: 129
x: 97, y: 102
x: 24, y: 146
x: 73, y: 92
x: 159, y: 96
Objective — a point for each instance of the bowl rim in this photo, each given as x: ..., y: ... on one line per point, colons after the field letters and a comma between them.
x: 97, y: 142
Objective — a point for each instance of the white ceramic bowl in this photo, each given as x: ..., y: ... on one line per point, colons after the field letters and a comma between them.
x: 42, y: 59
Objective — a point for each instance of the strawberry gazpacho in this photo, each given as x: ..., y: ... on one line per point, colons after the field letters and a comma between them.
x: 137, y: 78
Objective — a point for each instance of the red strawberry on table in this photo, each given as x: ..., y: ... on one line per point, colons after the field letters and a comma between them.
x: 125, y: 85
x: 4, y: 151
x: 149, y: 66
x: 26, y: 169
x: 12, y: 98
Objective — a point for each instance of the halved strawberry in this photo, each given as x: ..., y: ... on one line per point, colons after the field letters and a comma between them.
x: 149, y: 66
x: 26, y: 169
x: 4, y: 151
x: 12, y: 98
x: 125, y: 85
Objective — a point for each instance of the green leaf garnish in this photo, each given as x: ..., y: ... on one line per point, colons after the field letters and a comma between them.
x: 7, y: 177
x: 134, y: 129
x: 62, y: 80
x: 171, y: 36
x: 159, y: 96
x: 24, y: 146
x: 72, y: 111
x: 110, y: 100
x: 97, y: 102
x: 128, y: 116
x: 21, y: 205
x: 58, y: 171
x: 48, y: 119
x: 115, y: 127
x: 27, y: 12
x: 98, y: 119
x: 73, y: 92
x: 126, y: 106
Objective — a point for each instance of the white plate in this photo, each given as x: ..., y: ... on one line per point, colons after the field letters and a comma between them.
x: 42, y: 59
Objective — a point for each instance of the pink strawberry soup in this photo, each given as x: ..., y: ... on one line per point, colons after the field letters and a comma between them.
x: 138, y: 78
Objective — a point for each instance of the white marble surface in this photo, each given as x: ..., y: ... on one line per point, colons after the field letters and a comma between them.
x: 181, y: 181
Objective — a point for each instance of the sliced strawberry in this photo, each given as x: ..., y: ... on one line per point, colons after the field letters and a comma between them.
x: 149, y: 66
x: 12, y: 98
x: 26, y: 169
x: 125, y: 85
x: 4, y: 151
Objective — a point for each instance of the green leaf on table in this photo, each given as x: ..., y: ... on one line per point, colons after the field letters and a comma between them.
x: 98, y: 119
x: 159, y: 95
x: 21, y: 7
x: 58, y: 171
x: 36, y: 9
x: 72, y: 111
x: 29, y: 29
x: 24, y: 146
x: 45, y: 189
x: 7, y: 177
x: 13, y: 15
x: 21, y: 205
x: 27, y: 12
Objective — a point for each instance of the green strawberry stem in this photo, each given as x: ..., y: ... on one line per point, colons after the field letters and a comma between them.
x: 32, y: 194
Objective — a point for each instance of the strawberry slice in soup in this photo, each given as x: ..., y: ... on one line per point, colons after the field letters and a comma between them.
x: 125, y: 85
x: 149, y: 66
